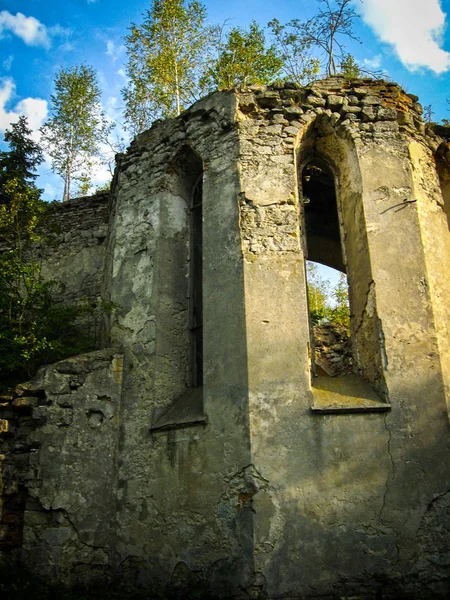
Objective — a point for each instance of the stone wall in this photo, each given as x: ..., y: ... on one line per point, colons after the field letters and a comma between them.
x: 73, y: 243
x: 59, y: 449
x: 266, y: 481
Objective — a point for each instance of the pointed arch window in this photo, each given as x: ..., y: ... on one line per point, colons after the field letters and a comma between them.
x: 329, y: 212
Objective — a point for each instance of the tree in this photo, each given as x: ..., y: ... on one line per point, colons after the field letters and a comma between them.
x: 318, y: 293
x: 340, y: 313
x: 295, y: 50
x: 334, y: 20
x: 73, y: 134
x: 349, y: 67
x: 320, y: 296
x: 428, y: 113
x: 299, y: 40
x: 35, y: 328
x: 445, y: 122
x: 20, y: 162
x: 243, y: 59
x: 166, y: 56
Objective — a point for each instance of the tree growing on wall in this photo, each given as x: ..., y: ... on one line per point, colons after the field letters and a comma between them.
x: 20, y: 162
x: 299, y: 40
x: 334, y: 21
x: 349, y: 68
x: 298, y: 65
x: 166, y: 54
x: 243, y: 59
x: 76, y: 128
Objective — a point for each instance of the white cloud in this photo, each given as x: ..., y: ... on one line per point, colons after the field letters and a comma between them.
x: 114, y: 51
x: 413, y: 28
x: 373, y: 63
x: 28, y: 29
x: 59, y: 31
x: 122, y: 73
x: 35, y: 109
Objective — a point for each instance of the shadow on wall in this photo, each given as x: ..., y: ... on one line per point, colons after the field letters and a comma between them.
x: 363, y: 515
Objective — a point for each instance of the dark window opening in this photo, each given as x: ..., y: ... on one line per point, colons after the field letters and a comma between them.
x: 321, y: 216
x: 331, y: 354
x: 196, y: 291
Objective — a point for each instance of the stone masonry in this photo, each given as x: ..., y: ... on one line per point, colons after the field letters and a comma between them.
x: 256, y: 474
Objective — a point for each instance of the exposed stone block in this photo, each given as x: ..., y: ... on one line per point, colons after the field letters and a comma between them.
x: 335, y: 103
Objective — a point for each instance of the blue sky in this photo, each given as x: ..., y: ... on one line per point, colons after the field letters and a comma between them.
x: 409, y: 39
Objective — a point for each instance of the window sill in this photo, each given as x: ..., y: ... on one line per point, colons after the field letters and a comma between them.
x: 346, y: 394
x: 185, y: 411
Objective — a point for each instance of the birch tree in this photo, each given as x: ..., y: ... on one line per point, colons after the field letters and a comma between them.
x: 243, y: 59
x: 166, y: 54
x: 76, y: 128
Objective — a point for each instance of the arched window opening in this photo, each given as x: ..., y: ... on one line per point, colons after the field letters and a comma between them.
x: 328, y: 297
x: 335, y: 235
x: 179, y: 335
x: 196, y: 287
x: 187, y: 183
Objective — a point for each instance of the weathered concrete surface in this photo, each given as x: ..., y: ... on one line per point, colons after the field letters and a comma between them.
x: 262, y: 495
x: 195, y: 474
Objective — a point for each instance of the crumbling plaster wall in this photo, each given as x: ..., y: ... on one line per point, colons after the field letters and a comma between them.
x: 334, y: 500
x: 179, y: 489
x: 260, y: 495
x: 319, y: 486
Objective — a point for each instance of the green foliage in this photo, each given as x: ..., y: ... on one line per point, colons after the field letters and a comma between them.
x: 166, y: 56
x: 20, y: 162
x: 349, y: 67
x: 340, y: 313
x: 77, y: 126
x: 325, y: 30
x: 320, y: 294
x: 243, y: 59
x: 34, y: 327
x: 105, y: 187
x: 300, y: 40
x: 298, y: 65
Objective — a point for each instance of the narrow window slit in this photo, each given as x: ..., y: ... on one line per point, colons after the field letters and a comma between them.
x: 196, y: 291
